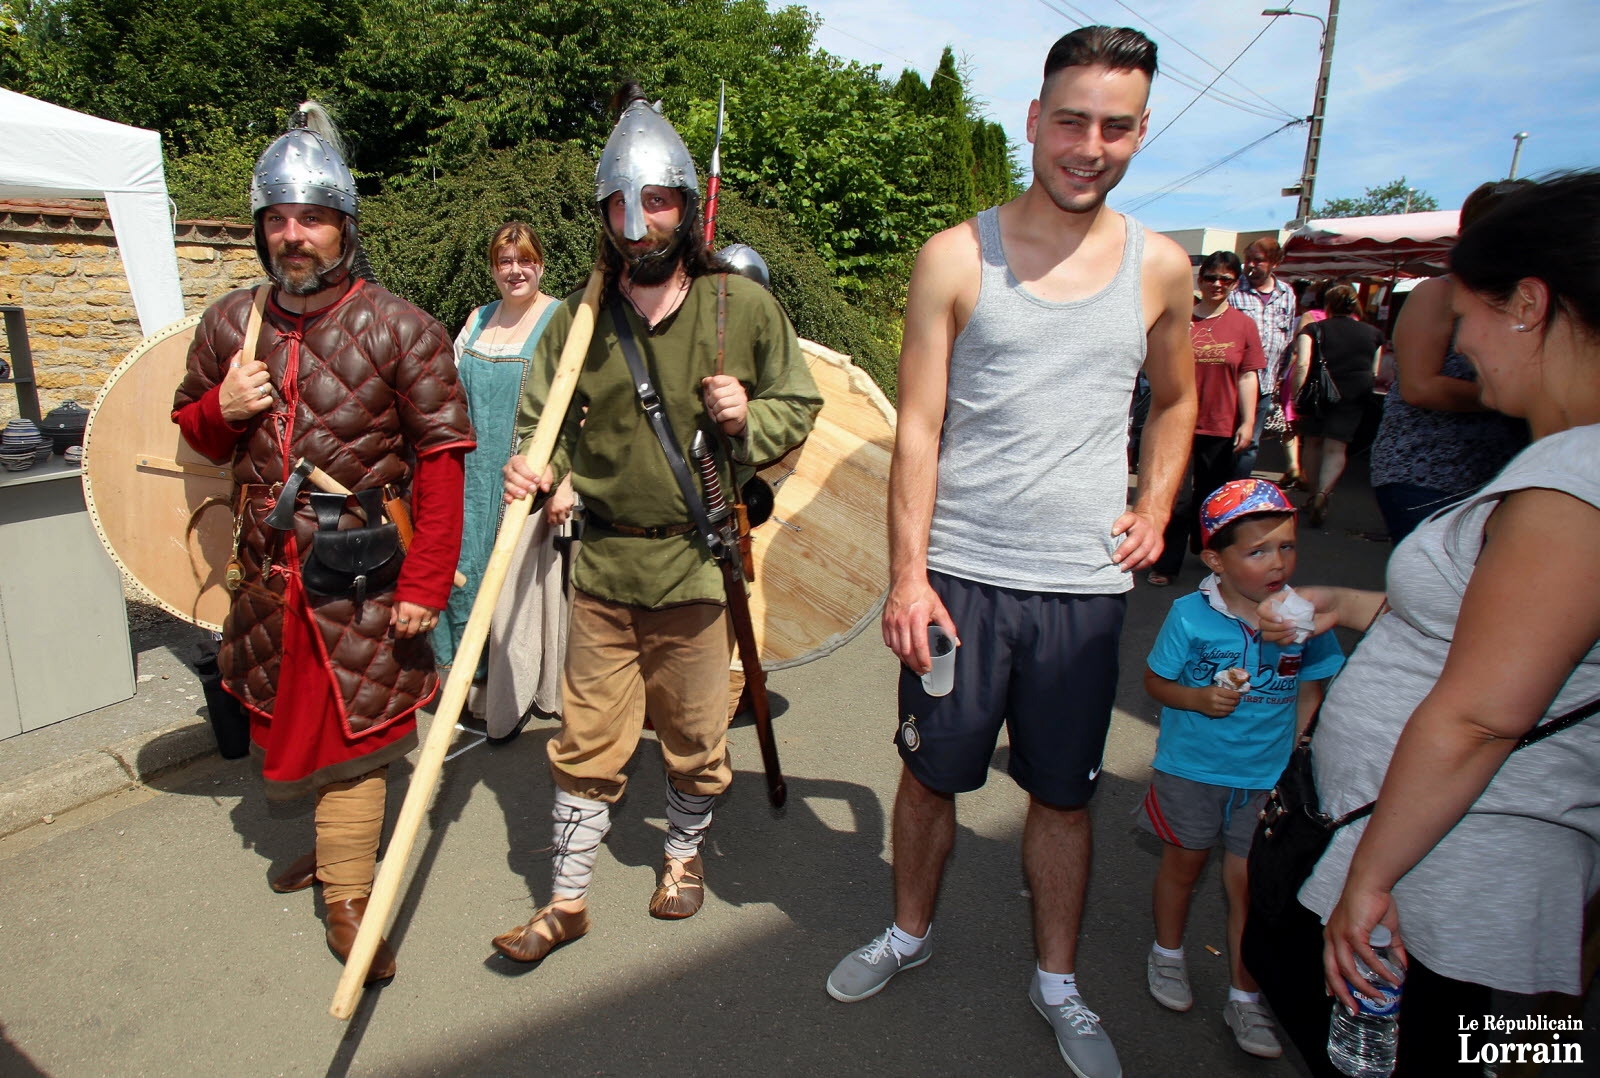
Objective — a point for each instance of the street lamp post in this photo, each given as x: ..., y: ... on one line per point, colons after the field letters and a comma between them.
x: 1319, y: 106
x: 1516, y: 154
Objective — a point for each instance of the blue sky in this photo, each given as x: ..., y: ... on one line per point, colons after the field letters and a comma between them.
x: 1432, y: 89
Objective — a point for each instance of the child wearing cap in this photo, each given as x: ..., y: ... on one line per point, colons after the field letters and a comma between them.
x: 1231, y: 706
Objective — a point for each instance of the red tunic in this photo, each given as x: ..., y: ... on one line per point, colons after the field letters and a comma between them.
x: 306, y: 738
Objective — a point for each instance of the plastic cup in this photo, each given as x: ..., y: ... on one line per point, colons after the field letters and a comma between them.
x: 942, y: 677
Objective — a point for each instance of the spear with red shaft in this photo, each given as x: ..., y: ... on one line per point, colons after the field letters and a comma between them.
x: 714, y: 181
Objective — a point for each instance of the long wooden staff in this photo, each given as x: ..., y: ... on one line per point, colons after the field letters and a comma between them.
x: 425, y: 779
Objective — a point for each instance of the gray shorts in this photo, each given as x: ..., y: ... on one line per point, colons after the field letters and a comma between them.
x: 1198, y: 815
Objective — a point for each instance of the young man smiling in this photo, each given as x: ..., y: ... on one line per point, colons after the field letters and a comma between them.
x: 1008, y: 513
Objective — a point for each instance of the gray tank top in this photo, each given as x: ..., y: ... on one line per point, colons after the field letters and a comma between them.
x: 1033, y: 467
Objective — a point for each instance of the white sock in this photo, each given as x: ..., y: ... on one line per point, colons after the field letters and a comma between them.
x: 688, y: 816
x: 904, y: 943
x: 579, y: 826
x: 1239, y: 995
x: 1054, y: 988
x: 1167, y: 952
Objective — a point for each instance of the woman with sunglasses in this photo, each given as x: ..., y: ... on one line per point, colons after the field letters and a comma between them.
x: 523, y: 658
x: 1227, y: 355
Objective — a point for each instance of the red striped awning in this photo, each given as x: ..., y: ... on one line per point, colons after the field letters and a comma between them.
x: 1396, y: 245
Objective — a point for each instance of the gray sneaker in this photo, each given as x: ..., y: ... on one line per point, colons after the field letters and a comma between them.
x: 1084, y: 1045
x: 1169, y: 981
x: 863, y: 973
x: 1252, y: 1028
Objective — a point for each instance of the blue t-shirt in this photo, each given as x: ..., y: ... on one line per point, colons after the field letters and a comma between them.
x: 1249, y: 748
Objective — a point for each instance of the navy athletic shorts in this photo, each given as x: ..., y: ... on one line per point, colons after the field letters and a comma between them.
x: 1043, y: 664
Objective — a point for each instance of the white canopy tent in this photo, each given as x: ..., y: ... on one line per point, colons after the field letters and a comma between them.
x: 52, y: 152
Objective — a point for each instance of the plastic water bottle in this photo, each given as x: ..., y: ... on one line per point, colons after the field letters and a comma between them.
x: 1362, y: 1045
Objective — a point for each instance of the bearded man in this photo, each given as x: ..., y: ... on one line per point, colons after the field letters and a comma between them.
x: 326, y: 642
x: 649, y: 626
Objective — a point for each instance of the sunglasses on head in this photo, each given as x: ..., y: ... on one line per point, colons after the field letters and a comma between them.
x: 1218, y: 278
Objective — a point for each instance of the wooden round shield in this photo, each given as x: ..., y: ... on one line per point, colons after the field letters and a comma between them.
x: 822, y: 559
x: 164, y: 512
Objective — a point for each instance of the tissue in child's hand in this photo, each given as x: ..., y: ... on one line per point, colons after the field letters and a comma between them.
x: 1297, y: 611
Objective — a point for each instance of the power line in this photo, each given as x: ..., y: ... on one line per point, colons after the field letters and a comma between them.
x: 1170, y: 36
x: 1083, y: 18
x: 1183, y: 181
x: 1198, y: 96
x: 937, y: 74
x: 1242, y: 106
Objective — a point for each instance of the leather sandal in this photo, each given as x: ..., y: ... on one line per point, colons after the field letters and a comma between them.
x: 297, y: 877
x: 1317, y: 510
x: 674, y: 900
x: 344, y: 921
x: 523, y: 944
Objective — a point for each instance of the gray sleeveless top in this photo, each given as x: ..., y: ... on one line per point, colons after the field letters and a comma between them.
x: 1500, y: 899
x: 1033, y: 467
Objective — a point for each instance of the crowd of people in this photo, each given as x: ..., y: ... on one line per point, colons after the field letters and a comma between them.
x: 1025, y: 331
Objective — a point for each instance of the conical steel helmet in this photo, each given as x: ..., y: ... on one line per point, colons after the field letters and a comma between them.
x: 302, y: 167
x: 643, y: 151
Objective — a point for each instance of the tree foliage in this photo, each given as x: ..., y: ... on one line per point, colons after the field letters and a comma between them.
x: 463, y: 113
x: 1378, y: 201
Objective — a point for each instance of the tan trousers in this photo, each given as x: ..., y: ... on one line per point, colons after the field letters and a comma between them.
x: 349, y: 824
x: 623, y: 661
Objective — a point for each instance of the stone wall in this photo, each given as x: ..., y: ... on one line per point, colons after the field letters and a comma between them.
x: 59, y: 262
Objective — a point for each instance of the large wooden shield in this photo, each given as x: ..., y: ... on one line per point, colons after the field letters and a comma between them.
x: 163, y: 511
x: 822, y: 560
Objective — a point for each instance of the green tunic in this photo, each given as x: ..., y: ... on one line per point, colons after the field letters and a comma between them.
x: 616, y: 462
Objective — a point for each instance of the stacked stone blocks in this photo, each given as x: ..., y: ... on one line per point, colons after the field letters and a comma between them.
x: 59, y: 262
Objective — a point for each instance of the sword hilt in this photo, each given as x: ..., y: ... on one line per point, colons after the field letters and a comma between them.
x: 706, y: 463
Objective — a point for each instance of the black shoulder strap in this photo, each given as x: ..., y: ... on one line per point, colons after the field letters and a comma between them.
x: 650, y: 400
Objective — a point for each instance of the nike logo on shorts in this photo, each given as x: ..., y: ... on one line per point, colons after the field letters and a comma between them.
x: 1094, y: 772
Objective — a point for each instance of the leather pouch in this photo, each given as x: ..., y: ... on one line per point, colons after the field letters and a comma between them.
x: 351, y: 562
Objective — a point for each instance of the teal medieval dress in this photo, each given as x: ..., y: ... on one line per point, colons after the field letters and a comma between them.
x: 527, y: 642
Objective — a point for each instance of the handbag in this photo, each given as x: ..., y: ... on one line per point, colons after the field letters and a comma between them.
x: 1293, y: 832
x: 351, y: 562
x: 1319, y: 393
x: 1275, y: 423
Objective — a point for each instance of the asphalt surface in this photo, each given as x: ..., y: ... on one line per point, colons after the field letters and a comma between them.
x: 140, y: 937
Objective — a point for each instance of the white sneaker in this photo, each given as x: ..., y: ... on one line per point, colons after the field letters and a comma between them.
x: 1169, y: 981
x: 1252, y: 1028
x: 1084, y: 1045
x: 863, y: 973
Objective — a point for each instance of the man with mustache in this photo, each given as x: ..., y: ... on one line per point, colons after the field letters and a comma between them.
x: 649, y: 628
x: 330, y: 666
x: 1009, y: 522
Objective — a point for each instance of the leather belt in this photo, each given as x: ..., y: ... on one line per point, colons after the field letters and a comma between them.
x: 660, y: 531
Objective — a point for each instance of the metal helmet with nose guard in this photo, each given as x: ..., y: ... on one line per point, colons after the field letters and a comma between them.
x: 644, y: 150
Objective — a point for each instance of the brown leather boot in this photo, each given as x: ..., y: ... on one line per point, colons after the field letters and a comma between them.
x: 676, y: 899
x: 344, y: 921
x: 297, y: 877
x: 523, y: 944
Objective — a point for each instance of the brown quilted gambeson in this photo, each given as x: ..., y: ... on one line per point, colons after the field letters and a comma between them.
x: 369, y: 384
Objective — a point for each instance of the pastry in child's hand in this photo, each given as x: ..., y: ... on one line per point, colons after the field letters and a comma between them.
x: 1234, y: 678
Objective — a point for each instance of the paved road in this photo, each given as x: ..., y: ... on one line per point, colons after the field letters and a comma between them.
x: 140, y: 938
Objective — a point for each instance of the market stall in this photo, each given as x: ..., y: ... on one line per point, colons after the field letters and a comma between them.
x: 64, y: 646
x: 1393, y: 246
x: 52, y: 152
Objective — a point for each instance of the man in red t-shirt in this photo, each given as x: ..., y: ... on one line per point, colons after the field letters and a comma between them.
x: 1227, y: 355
